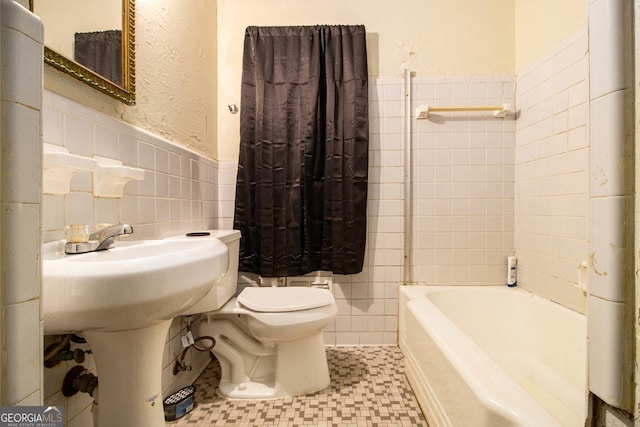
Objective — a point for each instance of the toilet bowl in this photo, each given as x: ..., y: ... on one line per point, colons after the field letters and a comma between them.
x: 268, y: 340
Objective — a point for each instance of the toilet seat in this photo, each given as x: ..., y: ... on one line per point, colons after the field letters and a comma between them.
x: 284, y: 299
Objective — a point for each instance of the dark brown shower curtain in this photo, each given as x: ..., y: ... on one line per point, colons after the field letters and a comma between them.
x: 301, y: 191
x: 101, y: 51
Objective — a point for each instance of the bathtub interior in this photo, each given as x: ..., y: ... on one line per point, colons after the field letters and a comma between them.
x: 545, y: 347
x: 537, y: 343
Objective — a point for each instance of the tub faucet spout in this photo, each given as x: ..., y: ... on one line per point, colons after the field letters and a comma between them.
x: 99, y: 240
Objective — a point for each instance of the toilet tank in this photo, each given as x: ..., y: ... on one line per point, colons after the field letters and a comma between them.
x: 226, y: 289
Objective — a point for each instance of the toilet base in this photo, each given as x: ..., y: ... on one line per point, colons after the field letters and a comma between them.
x: 300, y: 368
x: 256, y: 391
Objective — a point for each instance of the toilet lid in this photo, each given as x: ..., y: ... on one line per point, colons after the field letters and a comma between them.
x: 281, y: 299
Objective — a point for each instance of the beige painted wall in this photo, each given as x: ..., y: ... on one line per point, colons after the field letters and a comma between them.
x: 189, y: 54
x: 431, y: 37
x: 175, y: 74
x: 543, y: 24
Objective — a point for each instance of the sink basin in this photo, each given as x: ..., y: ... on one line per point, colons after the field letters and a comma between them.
x: 130, y: 286
x: 123, y: 301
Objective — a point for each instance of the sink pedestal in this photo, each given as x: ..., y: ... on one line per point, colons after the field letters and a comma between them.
x: 129, y: 367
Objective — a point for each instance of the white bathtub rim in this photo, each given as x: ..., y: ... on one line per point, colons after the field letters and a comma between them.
x: 486, y: 388
x: 414, y: 291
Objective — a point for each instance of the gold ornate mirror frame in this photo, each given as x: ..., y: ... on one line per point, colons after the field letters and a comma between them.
x: 125, y: 93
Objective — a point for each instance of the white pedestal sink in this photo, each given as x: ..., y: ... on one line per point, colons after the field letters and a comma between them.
x: 122, y: 301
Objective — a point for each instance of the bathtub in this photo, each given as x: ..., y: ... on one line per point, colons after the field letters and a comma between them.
x: 493, y: 356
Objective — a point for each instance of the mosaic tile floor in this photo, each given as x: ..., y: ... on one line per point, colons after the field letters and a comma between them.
x: 368, y: 388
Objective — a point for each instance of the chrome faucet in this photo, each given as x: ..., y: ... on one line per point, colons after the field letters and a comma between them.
x: 99, y: 240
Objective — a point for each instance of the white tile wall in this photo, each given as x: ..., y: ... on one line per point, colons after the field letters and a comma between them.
x: 610, y: 45
x: 367, y: 302
x: 226, y: 194
x: 552, y: 173
x: 611, y: 294
x: 462, y: 175
x: 21, y: 69
x: 178, y: 193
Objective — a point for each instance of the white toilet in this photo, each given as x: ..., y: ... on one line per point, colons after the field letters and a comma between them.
x: 268, y: 339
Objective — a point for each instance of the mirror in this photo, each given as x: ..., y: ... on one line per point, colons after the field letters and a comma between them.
x: 92, y: 41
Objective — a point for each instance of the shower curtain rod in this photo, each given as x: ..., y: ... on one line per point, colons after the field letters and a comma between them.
x: 422, y: 112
